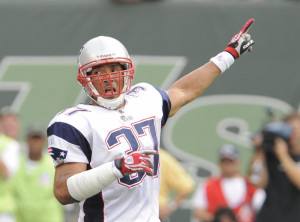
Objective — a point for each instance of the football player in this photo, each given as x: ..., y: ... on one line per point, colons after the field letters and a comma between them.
x: 106, y: 152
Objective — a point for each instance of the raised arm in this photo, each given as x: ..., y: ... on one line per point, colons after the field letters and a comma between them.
x: 196, y: 82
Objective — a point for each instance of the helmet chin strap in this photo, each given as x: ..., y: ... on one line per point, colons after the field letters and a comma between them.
x: 110, y: 103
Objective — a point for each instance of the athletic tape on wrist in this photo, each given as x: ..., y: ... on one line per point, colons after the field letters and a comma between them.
x: 223, y: 60
x: 88, y: 183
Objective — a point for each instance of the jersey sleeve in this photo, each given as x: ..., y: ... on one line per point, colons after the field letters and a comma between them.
x: 166, y: 105
x: 66, y: 144
x: 158, y: 97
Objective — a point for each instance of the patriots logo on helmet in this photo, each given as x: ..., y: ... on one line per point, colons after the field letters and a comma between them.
x: 57, y: 154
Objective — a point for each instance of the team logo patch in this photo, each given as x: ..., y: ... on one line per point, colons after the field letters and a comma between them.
x: 135, y: 91
x: 57, y: 154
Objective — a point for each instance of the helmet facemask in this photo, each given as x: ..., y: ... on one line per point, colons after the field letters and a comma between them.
x: 107, y: 89
x: 105, y: 70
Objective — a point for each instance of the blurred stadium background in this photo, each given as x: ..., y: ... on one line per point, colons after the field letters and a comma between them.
x: 40, y: 39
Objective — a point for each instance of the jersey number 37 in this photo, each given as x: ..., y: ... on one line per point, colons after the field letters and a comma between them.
x: 133, y: 135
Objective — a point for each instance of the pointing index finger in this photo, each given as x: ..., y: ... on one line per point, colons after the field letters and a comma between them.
x: 247, y: 25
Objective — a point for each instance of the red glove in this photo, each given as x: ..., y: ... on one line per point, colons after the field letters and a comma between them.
x: 241, y: 42
x: 137, y: 161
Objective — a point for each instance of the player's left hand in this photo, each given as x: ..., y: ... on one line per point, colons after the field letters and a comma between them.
x: 241, y: 42
x: 137, y: 161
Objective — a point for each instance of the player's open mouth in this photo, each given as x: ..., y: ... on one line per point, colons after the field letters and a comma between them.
x: 110, y: 90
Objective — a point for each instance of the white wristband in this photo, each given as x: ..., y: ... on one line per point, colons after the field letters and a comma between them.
x: 223, y: 60
x: 88, y: 183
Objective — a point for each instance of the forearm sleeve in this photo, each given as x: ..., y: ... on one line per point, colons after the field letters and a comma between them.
x: 88, y: 183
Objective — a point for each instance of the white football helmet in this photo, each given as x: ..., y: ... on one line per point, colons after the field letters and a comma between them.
x: 99, y: 51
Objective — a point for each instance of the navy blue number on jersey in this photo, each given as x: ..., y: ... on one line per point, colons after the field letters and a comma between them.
x: 132, y: 136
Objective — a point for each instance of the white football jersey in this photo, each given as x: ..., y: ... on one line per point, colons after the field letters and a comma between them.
x: 94, y: 135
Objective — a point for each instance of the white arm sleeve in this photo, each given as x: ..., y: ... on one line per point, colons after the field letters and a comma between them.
x: 88, y: 183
